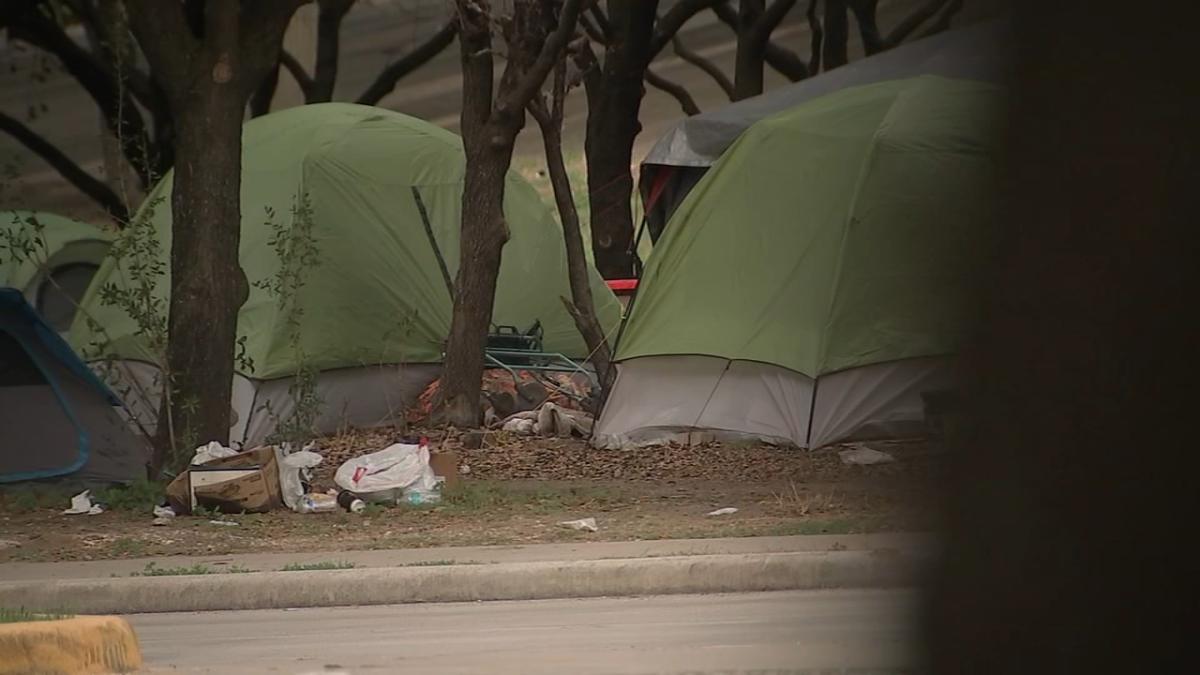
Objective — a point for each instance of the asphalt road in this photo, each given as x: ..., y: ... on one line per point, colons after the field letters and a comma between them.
x: 786, y: 632
x: 374, y: 33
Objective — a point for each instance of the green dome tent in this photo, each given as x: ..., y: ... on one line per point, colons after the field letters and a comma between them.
x: 814, y: 282
x: 376, y: 309
x: 55, y: 276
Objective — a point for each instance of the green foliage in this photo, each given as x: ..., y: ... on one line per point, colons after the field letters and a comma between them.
x: 23, y: 241
x: 143, y: 267
x: 140, y: 496
x: 486, y: 496
x: 323, y: 565
x: 21, y: 615
x: 296, y: 247
x: 29, y: 497
x: 153, y: 570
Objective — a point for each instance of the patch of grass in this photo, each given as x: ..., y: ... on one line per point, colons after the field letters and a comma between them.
x: 32, y: 497
x: 486, y: 496
x: 128, y: 546
x: 323, y: 565
x: 140, y: 496
x: 21, y: 614
x: 153, y: 570
x: 440, y: 563
x: 794, y: 502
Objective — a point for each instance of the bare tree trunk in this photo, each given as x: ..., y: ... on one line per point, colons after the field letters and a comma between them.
x: 581, y: 306
x: 612, y: 125
x: 484, y: 234
x: 491, y: 118
x: 756, y: 22
x: 837, y: 33
x: 208, y: 72
x: 208, y: 285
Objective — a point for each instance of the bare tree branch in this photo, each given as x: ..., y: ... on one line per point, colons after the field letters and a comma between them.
x: 704, y: 64
x: 287, y: 60
x: 686, y: 102
x: 771, y: 18
x: 592, y: 29
x: 837, y: 34
x: 818, y: 33
x: 906, y: 27
x: 868, y: 27
x: 117, y: 107
x: 66, y: 167
x: 260, y: 102
x: 784, y: 61
x: 386, y: 81
x: 330, y: 14
x: 670, y: 23
x: 596, y: 13
x: 943, y: 20
x: 550, y: 53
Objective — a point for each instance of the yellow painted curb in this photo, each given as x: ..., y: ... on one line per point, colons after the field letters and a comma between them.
x: 86, y: 644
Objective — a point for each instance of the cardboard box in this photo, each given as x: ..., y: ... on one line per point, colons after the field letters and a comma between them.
x: 445, y: 464
x: 255, y: 489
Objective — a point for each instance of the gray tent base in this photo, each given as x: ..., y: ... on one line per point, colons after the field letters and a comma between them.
x: 690, y: 399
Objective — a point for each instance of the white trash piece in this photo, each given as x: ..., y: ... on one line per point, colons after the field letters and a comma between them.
x: 400, y: 470
x: 294, y: 469
x: 316, y: 502
x: 214, y: 450
x: 226, y: 523
x: 728, y: 510
x: 82, y: 504
x: 864, y: 456
x: 588, y: 524
x: 164, y: 512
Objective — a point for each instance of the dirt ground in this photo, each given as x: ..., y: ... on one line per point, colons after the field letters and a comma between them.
x: 516, y: 491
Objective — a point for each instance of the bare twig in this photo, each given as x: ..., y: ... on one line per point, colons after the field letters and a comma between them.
x: 68, y: 169
x: 674, y: 89
x: 419, y: 56
x: 712, y: 69
x: 287, y: 60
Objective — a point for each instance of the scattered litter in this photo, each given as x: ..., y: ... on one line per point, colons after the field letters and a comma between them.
x: 227, y: 523
x: 163, y: 515
x: 465, y: 469
x: 82, y: 504
x: 295, y: 470
x: 316, y: 502
x: 588, y: 524
x: 722, y: 512
x: 864, y: 456
x: 214, y: 450
x: 549, y: 420
x: 399, y: 473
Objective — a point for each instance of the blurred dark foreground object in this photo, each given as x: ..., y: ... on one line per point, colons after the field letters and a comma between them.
x: 1070, y: 515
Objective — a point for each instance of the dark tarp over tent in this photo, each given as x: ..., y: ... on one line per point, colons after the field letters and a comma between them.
x: 684, y: 154
x: 56, y: 418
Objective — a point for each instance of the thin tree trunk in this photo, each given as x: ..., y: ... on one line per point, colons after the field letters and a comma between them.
x: 208, y: 286
x: 581, y: 306
x: 837, y: 34
x: 483, y: 236
x: 748, y: 62
x: 612, y: 126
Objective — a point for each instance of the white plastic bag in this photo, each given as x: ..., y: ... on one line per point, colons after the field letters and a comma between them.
x: 214, y: 450
x: 293, y: 468
x: 395, y: 468
x: 863, y: 456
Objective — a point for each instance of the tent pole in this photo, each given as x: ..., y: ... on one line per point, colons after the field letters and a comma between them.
x: 812, y: 409
x: 437, y: 252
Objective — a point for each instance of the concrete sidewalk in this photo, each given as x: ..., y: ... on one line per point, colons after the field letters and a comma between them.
x: 473, y: 555
x: 475, y: 574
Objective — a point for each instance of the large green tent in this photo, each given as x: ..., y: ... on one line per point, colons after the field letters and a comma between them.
x: 375, y: 305
x: 816, y: 279
x: 53, y: 261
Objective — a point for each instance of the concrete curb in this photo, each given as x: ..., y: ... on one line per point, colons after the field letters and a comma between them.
x: 86, y: 644
x: 467, y: 583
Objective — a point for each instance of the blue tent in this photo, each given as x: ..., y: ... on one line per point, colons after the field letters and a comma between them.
x: 57, y: 419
